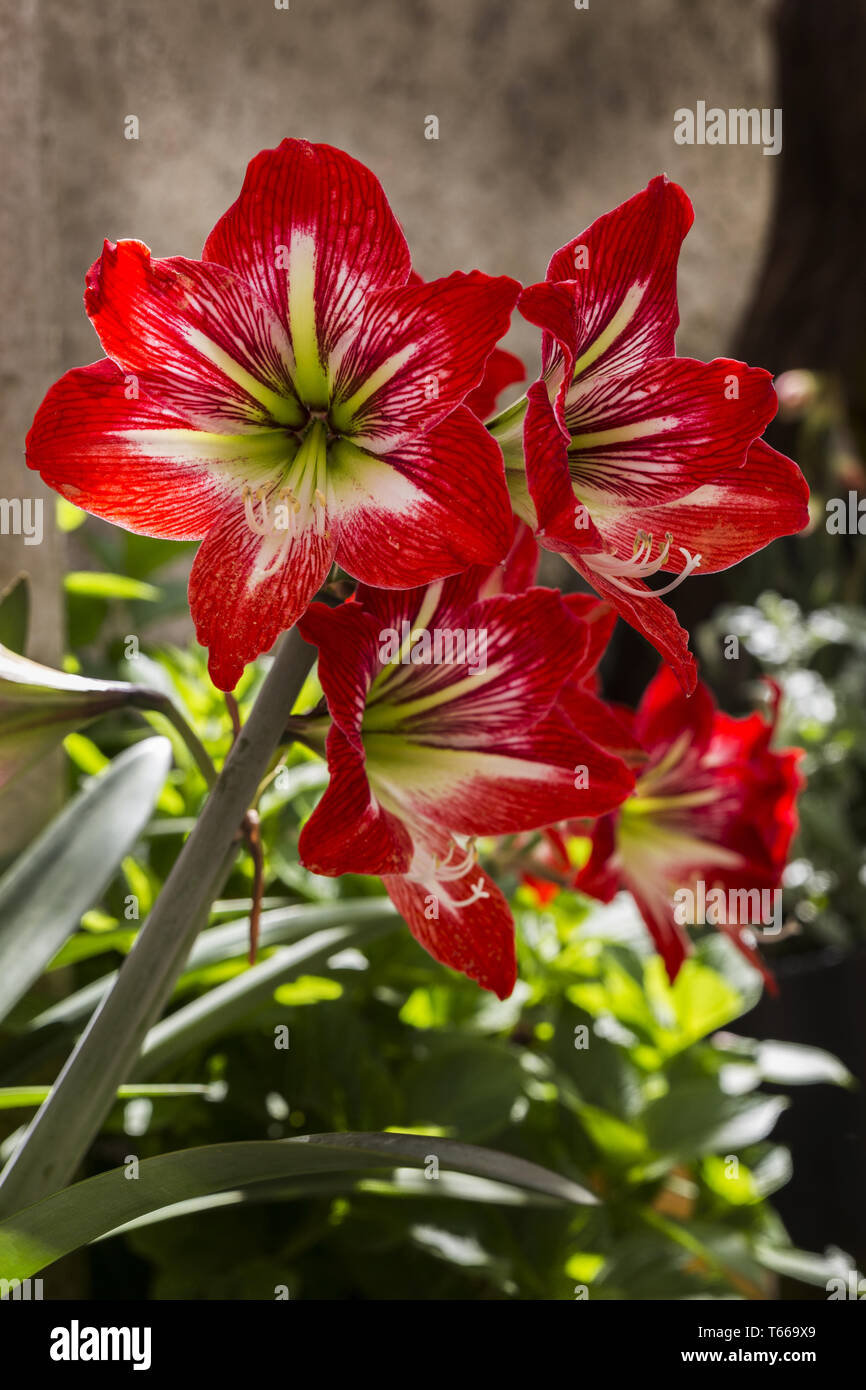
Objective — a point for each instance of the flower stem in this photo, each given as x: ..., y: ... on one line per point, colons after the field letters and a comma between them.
x: 66, y: 1124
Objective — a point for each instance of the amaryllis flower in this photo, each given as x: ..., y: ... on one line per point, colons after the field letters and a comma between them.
x: 636, y: 461
x: 714, y: 808
x: 426, y: 753
x: 291, y: 398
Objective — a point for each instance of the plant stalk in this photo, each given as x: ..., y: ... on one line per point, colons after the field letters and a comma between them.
x: 68, y: 1121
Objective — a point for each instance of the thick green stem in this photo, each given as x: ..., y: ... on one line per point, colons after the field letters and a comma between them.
x: 66, y: 1124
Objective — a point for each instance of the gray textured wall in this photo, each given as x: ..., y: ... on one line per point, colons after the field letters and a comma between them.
x: 548, y: 116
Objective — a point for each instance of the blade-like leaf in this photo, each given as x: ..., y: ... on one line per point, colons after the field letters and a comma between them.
x: 40, y: 706
x: 212, y: 1014
x: 25, y: 1097
x: 15, y: 613
x: 225, y: 942
x: 63, y: 1222
x: 64, y: 871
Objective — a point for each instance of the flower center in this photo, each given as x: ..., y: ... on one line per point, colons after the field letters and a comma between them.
x: 292, y: 502
x: 617, y: 571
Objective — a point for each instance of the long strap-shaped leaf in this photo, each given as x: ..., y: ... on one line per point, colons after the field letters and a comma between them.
x: 35, y: 1237
x: 63, y: 873
x: 64, y: 1127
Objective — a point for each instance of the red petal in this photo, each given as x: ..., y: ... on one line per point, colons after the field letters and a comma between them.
x: 558, y: 510
x: 523, y: 783
x: 318, y: 192
x: 518, y: 570
x: 671, y: 940
x: 598, y: 877
x: 598, y: 721
x: 349, y: 832
x: 723, y: 521
x: 555, y: 504
x: 195, y: 337
x: 348, y: 643
x: 525, y: 648
x: 238, y: 611
x: 600, y: 621
x: 131, y: 461
x: 477, y: 940
x: 430, y: 508
x: 418, y: 351
x: 624, y: 268
x: 502, y: 369
x: 649, y: 616
x: 665, y: 712
x: 663, y: 431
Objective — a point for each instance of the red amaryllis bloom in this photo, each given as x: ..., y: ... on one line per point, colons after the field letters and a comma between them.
x: 714, y: 808
x: 447, y: 726
x: 291, y: 398
x: 638, y: 461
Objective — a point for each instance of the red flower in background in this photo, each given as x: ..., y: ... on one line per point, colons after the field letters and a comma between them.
x: 425, y: 755
x: 713, y: 804
x: 291, y: 398
x: 638, y: 461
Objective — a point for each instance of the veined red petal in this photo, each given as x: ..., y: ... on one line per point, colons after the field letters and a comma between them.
x: 560, y: 515
x: 665, y: 430
x: 600, y: 619
x: 519, y: 651
x: 549, y: 773
x: 348, y: 641
x: 501, y: 370
x: 418, y: 351
x: 195, y: 337
x: 649, y: 616
x: 665, y: 713
x: 624, y: 267
x: 349, y: 832
x: 130, y: 460
x: 245, y: 589
x: 599, y: 722
x: 519, y: 568
x: 430, y: 508
x: 475, y: 938
x: 723, y: 521
x: 312, y: 207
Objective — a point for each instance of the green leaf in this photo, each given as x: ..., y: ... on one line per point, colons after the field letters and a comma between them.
x: 804, y: 1265
x: 75, y: 1216
x: 21, y: 1097
x: 15, y: 613
x: 698, y: 1118
x: 97, y: 584
x: 792, y: 1064
x: 219, y: 944
x: 65, y: 870
x: 211, y: 1014
x: 40, y: 706
x: 470, y: 1086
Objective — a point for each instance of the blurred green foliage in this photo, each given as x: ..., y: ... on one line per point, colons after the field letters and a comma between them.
x: 596, y: 1067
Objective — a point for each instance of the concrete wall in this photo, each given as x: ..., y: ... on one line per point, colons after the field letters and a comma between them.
x: 548, y: 115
